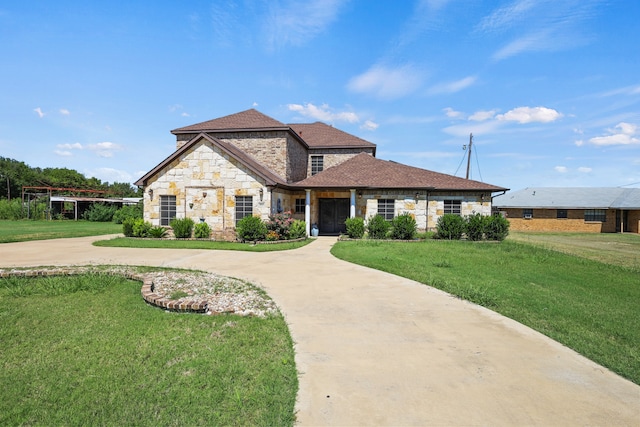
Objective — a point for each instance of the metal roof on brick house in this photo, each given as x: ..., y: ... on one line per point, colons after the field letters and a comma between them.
x: 270, y: 177
x: 571, y: 198
x: 366, y: 171
x: 321, y: 135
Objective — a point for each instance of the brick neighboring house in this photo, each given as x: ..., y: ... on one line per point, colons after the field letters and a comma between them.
x: 251, y: 164
x: 582, y: 209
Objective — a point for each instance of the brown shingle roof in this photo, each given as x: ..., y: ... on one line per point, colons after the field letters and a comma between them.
x: 321, y: 135
x: 252, y: 164
x: 366, y: 171
x: 244, y: 120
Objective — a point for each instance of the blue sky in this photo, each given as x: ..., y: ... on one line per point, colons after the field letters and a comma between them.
x: 550, y: 89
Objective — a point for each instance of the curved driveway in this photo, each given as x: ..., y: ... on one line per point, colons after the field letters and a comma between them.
x: 376, y: 349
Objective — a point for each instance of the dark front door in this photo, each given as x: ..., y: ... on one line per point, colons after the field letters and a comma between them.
x: 333, y: 213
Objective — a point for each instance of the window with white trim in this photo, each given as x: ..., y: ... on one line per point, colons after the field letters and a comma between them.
x: 244, y: 207
x: 167, y: 209
x: 386, y: 208
x: 453, y: 207
x: 300, y: 205
x: 527, y: 213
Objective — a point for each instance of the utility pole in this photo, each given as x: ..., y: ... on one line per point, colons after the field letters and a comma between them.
x: 469, y: 154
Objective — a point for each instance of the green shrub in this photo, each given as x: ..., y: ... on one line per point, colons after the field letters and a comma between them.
x: 450, y: 226
x: 378, y: 227
x: 157, y: 232
x: 355, y: 227
x: 475, y: 225
x: 99, y: 212
x: 128, y: 211
x: 202, y: 230
x: 141, y: 228
x: 127, y: 227
x: 403, y: 227
x: 251, y: 228
x: 497, y: 227
x: 11, y: 209
x: 182, y: 227
x: 298, y: 229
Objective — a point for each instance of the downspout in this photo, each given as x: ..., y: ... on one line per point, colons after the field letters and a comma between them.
x: 492, y: 197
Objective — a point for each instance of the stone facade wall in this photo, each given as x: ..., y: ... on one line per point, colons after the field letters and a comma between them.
x: 205, y: 182
x: 546, y: 220
x: 426, y: 216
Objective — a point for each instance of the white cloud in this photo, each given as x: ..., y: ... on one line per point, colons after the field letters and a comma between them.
x: 39, y: 112
x: 477, y: 128
x: 561, y: 169
x: 539, y: 25
x: 480, y: 116
x: 63, y: 153
x: 387, y: 83
x: 579, y: 143
x: 584, y: 169
x: 74, y: 146
x: 453, y: 87
x: 105, y: 149
x: 64, y: 112
x: 369, y: 125
x: 453, y: 114
x: 295, y: 22
x: 112, y: 175
x: 530, y: 114
x: 506, y: 16
x: 622, y: 134
x: 324, y: 113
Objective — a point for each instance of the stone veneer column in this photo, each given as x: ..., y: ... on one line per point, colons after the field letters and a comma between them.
x: 307, y: 212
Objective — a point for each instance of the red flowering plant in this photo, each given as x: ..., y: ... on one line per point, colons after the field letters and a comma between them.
x: 280, y: 224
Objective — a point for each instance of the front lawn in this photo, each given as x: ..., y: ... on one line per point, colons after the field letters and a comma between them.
x: 87, y: 350
x: 133, y: 242
x: 587, y: 305
x: 23, y: 230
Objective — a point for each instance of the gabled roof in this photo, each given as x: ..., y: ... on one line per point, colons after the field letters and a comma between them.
x: 321, y: 135
x: 245, y: 120
x: 271, y: 178
x: 571, y: 198
x: 366, y: 171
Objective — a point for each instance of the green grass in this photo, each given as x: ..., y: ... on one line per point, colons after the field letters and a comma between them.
x: 590, y: 306
x: 610, y: 248
x: 24, y: 230
x: 86, y: 350
x: 132, y: 242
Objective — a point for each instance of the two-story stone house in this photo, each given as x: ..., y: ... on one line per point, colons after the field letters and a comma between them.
x: 251, y: 164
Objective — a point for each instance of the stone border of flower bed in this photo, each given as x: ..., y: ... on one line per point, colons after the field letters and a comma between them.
x: 150, y: 297
x: 147, y: 289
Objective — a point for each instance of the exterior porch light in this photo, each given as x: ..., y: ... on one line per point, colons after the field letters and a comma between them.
x: 261, y: 193
x: 151, y: 193
x: 204, y: 194
x: 417, y: 195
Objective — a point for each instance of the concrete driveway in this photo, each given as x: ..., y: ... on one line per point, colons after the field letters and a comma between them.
x: 376, y: 349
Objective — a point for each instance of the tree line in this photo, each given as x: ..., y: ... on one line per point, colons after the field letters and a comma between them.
x: 15, y: 174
